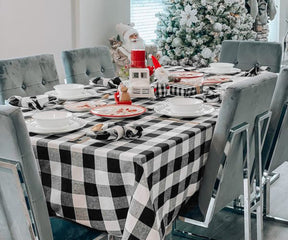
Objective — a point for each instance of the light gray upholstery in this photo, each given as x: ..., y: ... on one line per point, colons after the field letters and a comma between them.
x: 27, y: 76
x: 275, y: 150
x: 242, y: 102
x: 83, y: 64
x: 15, y: 145
x: 247, y: 54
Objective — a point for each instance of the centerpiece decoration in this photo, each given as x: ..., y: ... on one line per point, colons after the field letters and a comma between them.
x: 139, y: 75
x: 190, y: 32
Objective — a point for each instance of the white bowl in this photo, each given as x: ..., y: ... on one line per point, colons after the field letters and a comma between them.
x: 69, y: 89
x: 220, y: 65
x: 185, y: 105
x: 52, y: 119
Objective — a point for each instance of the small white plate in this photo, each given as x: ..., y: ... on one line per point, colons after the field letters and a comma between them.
x: 87, y: 93
x: 163, y: 108
x: 74, y: 124
x: 83, y: 106
x: 220, y: 70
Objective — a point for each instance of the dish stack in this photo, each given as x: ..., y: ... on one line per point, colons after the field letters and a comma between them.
x: 68, y: 90
x: 139, y: 79
x: 180, y: 107
x: 221, y: 68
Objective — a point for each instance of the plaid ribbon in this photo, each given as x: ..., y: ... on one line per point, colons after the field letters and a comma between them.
x: 160, y: 89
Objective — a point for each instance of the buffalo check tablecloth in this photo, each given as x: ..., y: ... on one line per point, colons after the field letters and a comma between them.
x: 132, y: 189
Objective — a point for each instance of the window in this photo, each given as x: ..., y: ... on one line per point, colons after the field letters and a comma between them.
x: 143, y: 75
x: 143, y: 15
x: 135, y: 75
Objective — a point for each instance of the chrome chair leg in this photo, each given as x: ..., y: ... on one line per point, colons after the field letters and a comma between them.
x: 188, y: 235
x: 267, y: 198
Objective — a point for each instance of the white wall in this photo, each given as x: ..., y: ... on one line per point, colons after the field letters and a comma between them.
x: 98, y: 19
x: 34, y: 27
x: 283, y: 25
x: 31, y: 27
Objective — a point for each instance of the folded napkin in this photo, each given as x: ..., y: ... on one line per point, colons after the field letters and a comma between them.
x: 129, y: 131
x: 210, y: 95
x: 255, y: 71
x: 35, y: 102
x: 109, y: 83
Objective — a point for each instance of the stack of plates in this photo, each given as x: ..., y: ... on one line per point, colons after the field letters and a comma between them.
x: 221, y: 68
x: 85, y: 94
x: 166, y: 108
x: 51, y: 122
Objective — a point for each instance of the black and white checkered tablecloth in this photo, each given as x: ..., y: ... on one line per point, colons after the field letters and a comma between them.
x: 129, y: 188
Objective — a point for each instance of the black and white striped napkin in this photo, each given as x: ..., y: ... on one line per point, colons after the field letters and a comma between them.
x: 116, y: 132
x: 34, y: 102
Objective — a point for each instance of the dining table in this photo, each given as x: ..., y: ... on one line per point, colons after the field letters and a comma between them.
x: 129, y: 188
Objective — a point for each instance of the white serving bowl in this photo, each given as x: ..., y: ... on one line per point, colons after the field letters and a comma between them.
x: 52, y: 119
x: 185, y: 105
x: 221, y: 65
x: 71, y: 89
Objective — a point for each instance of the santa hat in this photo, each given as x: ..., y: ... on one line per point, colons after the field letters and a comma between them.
x: 126, y: 30
x: 155, y: 62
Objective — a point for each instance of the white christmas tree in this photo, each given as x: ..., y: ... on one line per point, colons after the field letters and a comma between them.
x: 190, y: 32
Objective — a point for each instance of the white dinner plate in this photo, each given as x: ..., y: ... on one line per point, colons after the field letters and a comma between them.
x: 118, y: 111
x: 87, y: 93
x: 220, y: 70
x: 74, y: 124
x: 163, y: 108
x: 83, y: 106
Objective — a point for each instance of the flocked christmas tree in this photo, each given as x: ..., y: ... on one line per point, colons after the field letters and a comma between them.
x: 190, y: 32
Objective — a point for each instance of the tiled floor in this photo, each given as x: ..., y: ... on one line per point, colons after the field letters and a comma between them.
x: 229, y: 226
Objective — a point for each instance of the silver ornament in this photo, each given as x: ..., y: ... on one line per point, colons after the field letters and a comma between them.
x: 217, y: 27
x: 177, y: 42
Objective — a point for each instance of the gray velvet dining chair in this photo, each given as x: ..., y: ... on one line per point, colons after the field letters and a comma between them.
x: 23, y: 210
x: 230, y: 167
x: 27, y: 76
x: 275, y: 151
x: 247, y: 54
x: 83, y: 64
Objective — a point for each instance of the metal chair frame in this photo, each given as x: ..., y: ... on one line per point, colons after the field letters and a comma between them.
x: 16, y: 168
x: 269, y: 177
x: 252, y: 179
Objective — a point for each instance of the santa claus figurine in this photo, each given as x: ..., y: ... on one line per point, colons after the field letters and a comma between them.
x: 131, y: 38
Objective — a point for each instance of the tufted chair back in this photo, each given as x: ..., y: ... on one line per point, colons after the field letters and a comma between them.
x: 83, y: 64
x: 246, y: 54
x: 27, y: 76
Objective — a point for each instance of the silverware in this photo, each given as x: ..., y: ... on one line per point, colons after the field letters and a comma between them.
x: 78, y: 138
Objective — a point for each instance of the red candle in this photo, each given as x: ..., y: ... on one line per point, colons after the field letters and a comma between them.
x: 138, y: 58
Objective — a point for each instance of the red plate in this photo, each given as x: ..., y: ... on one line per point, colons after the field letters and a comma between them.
x: 190, y: 74
x: 118, y: 111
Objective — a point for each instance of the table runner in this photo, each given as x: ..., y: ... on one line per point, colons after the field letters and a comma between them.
x: 129, y: 188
